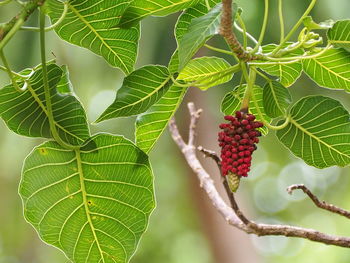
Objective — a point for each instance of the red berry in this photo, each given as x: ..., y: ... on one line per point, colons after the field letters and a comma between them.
x: 238, y: 140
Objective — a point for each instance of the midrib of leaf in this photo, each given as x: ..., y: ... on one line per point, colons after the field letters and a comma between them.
x: 160, y: 134
x: 96, y: 33
x: 275, y: 97
x: 340, y: 41
x: 142, y: 99
x: 315, y: 137
x: 328, y: 69
x: 87, y: 211
x: 42, y: 106
x: 161, y: 9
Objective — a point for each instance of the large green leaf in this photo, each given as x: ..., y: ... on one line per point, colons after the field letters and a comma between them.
x: 199, y: 31
x: 207, y: 72
x: 330, y: 70
x: 89, y: 24
x: 182, y: 26
x: 287, y: 73
x: 186, y: 17
x: 232, y: 102
x: 276, y: 99
x: 151, y: 124
x: 25, y: 111
x: 140, y: 90
x: 339, y: 34
x: 93, y: 204
x: 140, y: 9
x: 318, y: 132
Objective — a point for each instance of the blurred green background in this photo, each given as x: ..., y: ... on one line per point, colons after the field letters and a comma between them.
x: 185, y: 228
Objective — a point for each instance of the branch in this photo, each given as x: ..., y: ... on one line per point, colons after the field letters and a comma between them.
x: 206, y: 182
x: 211, y: 154
x: 9, y: 29
x: 317, y: 202
x: 233, y: 215
x: 227, y: 32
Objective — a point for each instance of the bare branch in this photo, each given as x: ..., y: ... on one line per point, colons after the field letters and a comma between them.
x: 317, y: 202
x: 211, y: 154
x: 205, y: 181
x: 233, y: 215
x: 195, y: 114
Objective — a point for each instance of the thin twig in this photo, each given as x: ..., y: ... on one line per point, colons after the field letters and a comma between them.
x: 233, y: 215
x: 210, y: 154
x: 317, y: 202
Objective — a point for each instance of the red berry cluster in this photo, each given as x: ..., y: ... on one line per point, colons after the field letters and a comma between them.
x: 238, y: 141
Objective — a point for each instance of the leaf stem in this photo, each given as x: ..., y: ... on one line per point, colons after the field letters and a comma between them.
x: 53, y: 26
x: 207, y: 4
x: 5, y: 2
x: 249, y: 90
x: 219, y: 50
x: 261, y: 117
x: 176, y: 83
x: 295, y: 27
x: 290, y: 60
x: 248, y: 35
x: 48, y: 103
x: 8, y: 30
x: 263, y: 28
x: 280, y: 15
x: 11, y: 33
x: 244, y: 31
x: 262, y: 75
x: 9, y: 71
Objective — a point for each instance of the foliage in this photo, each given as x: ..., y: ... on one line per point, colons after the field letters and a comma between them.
x: 92, y: 196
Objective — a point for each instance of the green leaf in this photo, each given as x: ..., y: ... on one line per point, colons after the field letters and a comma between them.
x: 173, y: 65
x: 140, y: 90
x: 207, y: 72
x: 330, y: 70
x: 140, y: 9
x: 318, y: 132
x: 151, y: 124
x: 232, y: 102
x: 287, y: 73
x: 186, y: 17
x: 93, y: 204
x: 200, y: 30
x: 276, y: 99
x: 339, y: 34
x: 89, y: 24
x: 65, y: 86
x: 25, y: 111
